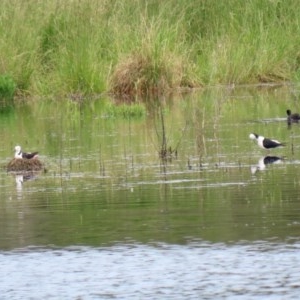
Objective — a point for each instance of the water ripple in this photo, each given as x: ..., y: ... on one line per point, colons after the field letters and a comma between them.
x: 160, y: 271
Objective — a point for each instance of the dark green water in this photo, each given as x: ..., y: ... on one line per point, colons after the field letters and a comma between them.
x: 106, y: 185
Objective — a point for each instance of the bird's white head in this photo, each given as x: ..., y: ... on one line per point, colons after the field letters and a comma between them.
x: 253, y: 136
x: 18, y: 153
x: 17, y: 148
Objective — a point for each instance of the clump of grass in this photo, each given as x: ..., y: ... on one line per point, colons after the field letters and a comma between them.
x: 138, y: 75
x: 156, y: 60
x: 7, y: 90
x: 143, y: 75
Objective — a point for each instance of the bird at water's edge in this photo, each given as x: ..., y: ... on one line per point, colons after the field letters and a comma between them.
x: 265, y: 143
x: 295, y: 117
x: 19, y: 154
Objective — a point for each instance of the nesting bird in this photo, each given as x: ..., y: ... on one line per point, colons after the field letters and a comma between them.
x: 20, y: 154
x: 295, y: 117
x: 265, y: 143
x: 24, y: 162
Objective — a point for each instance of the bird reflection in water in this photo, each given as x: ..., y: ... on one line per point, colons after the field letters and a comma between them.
x: 22, y: 177
x: 264, y: 161
x: 19, y: 181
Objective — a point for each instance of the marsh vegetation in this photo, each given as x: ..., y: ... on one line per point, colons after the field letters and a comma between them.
x: 78, y: 48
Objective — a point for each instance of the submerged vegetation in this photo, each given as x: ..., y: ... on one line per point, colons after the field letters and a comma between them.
x: 142, y: 47
x: 133, y: 111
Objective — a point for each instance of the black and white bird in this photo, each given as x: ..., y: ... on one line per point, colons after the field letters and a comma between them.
x: 20, y: 154
x: 295, y: 117
x: 264, y: 142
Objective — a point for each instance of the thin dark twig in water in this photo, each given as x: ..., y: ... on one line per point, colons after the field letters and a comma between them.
x: 164, y: 139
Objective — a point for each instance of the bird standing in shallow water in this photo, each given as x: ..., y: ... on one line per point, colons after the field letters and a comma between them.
x: 265, y: 143
x: 295, y: 117
x: 19, y: 154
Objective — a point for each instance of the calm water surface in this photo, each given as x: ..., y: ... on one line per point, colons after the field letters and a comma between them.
x: 108, y: 218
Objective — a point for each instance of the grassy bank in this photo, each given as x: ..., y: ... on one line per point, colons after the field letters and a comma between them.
x: 137, y: 46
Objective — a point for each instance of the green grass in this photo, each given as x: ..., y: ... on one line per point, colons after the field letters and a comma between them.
x: 7, y: 90
x: 140, y: 47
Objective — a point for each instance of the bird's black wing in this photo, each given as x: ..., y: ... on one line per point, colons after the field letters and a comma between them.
x: 29, y: 155
x: 295, y: 116
x: 267, y: 143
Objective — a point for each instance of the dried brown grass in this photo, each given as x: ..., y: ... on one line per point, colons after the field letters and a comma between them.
x: 141, y: 75
x: 24, y: 165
